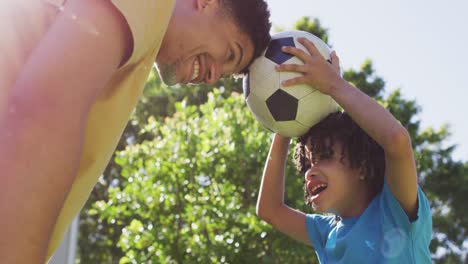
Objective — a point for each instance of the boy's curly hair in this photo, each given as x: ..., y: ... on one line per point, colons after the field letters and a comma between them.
x: 359, y: 148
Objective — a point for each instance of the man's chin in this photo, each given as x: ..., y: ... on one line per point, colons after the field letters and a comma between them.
x: 167, y: 74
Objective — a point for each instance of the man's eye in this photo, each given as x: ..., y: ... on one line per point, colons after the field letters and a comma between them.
x: 231, y: 56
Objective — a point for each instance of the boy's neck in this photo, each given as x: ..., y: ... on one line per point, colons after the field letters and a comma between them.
x: 359, y: 203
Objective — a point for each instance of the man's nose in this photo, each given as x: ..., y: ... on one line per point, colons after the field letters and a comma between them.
x: 214, y: 73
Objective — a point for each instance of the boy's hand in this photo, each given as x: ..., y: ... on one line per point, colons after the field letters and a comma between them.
x: 317, y: 71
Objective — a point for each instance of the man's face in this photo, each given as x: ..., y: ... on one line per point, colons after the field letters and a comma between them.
x: 202, y: 45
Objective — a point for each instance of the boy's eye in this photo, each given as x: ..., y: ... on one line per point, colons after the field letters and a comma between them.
x: 305, y: 165
x: 328, y: 155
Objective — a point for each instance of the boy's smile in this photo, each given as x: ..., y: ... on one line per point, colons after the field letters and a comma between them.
x: 315, y: 190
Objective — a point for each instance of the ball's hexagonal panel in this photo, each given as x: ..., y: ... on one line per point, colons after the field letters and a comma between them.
x: 261, y: 67
x: 274, y: 51
x: 264, y: 86
x: 300, y: 90
x: 282, y: 106
x: 290, y: 128
x: 260, y: 110
x: 314, y: 107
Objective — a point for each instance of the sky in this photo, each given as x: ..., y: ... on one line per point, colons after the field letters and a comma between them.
x: 417, y: 46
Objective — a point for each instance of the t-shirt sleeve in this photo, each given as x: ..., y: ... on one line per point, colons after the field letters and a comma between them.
x: 146, y: 20
x: 318, y: 227
x: 395, y: 213
x: 424, y: 216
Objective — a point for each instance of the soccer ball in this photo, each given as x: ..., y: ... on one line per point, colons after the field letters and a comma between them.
x: 289, y: 111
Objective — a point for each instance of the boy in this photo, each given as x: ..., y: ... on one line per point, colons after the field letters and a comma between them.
x: 359, y: 171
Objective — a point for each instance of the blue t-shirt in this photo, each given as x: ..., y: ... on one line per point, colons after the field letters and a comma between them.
x: 381, y: 234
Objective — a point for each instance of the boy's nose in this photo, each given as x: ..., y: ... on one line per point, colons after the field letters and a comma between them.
x: 308, y: 175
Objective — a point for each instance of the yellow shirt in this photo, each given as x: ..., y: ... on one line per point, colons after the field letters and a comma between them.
x: 148, y: 20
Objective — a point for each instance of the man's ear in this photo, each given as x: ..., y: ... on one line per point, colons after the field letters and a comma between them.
x: 207, y: 5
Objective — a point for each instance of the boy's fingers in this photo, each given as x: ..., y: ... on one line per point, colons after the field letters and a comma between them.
x: 294, y: 81
x: 300, y: 54
x: 309, y: 46
x: 335, y: 60
x: 292, y: 68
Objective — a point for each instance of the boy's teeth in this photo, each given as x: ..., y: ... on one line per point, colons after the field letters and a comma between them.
x: 196, y: 69
x: 317, y: 187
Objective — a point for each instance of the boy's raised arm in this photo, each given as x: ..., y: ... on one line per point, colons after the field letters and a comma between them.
x: 270, y: 203
x: 400, y: 167
x: 374, y: 119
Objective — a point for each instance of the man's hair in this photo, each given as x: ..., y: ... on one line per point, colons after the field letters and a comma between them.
x: 361, y: 151
x: 253, y: 18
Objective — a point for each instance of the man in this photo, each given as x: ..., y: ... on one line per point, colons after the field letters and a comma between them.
x: 71, y: 71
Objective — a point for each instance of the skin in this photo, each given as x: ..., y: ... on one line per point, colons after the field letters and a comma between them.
x: 372, y: 118
x: 41, y: 134
x: 41, y: 139
x: 347, y: 194
x: 220, y: 48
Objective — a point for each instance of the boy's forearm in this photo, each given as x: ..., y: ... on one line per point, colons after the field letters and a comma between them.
x: 271, y: 194
x: 373, y: 118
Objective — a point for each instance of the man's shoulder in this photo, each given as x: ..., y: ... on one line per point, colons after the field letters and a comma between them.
x: 148, y: 21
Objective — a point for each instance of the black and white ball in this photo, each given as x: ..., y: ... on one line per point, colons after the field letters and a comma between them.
x: 289, y: 111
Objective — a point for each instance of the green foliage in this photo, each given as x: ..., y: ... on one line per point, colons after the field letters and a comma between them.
x: 189, y: 194
x: 183, y: 184
x: 98, y: 238
x: 313, y: 26
x: 365, y: 80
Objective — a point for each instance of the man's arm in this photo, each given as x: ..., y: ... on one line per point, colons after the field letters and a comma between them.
x: 270, y: 203
x: 41, y: 134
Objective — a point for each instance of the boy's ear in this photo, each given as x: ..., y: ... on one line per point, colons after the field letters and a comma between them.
x: 206, y: 5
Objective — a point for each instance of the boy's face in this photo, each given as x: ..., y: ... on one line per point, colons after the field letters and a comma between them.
x: 202, y: 45
x: 331, y: 184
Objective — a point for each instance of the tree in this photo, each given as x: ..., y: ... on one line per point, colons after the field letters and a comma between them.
x: 97, y: 238
x: 189, y: 194
x: 182, y: 185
